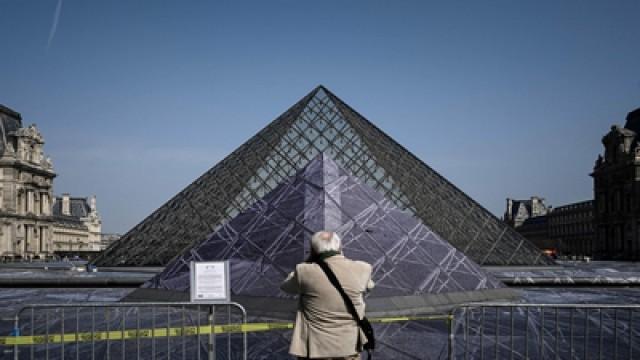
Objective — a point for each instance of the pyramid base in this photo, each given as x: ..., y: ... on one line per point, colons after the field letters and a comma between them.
x: 285, y: 309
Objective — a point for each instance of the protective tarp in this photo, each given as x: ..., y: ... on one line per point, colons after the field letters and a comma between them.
x: 414, y: 269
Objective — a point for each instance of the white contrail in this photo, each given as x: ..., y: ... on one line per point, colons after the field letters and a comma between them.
x: 54, y: 26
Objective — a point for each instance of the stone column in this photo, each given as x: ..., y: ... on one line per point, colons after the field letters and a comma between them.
x: 30, y: 202
x: 26, y: 238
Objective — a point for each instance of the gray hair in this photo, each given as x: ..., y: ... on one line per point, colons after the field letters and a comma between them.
x: 324, y: 241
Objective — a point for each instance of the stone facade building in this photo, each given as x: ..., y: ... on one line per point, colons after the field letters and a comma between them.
x: 77, y: 225
x: 616, y: 179
x: 607, y: 227
x: 33, y: 225
x: 107, y: 239
x: 529, y: 218
x: 518, y: 211
x: 571, y: 229
x: 26, y: 181
x: 565, y: 230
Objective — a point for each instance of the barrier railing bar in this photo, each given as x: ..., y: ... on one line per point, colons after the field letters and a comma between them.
x: 168, y: 330
x: 600, y: 345
x: 77, y: 333
x: 137, y: 333
x: 512, y: 329
x: 560, y: 306
x: 229, y: 334
x: 526, y: 333
x: 450, y: 338
x: 62, y: 333
x: 153, y: 332
x: 16, y: 326
x: 615, y: 333
x: 586, y: 332
x: 46, y: 324
x: 482, y: 335
x: 198, y: 330
x: 571, y: 350
x: 630, y: 333
x: 184, y: 338
x: 466, y: 332
x: 541, y: 333
x: 212, y: 337
x: 122, y: 334
x: 93, y: 333
x: 107, y: 315
x: 557, y: 335
x: 32, y: 329
x: 497, y: 337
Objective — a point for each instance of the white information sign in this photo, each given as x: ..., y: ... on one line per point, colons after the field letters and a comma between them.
x: 210, y: 281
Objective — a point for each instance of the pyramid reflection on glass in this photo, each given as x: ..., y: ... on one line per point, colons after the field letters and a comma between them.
x: 265, y: 242
x: 320, y: 123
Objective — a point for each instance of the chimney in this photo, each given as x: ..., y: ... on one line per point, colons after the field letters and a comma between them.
x: 66, y: 208
x: 92, y: 203
x: 509, y: 207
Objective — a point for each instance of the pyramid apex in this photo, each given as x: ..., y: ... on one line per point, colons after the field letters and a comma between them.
x: 321, y: 88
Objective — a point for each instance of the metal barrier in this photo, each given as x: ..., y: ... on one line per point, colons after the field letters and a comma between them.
x: 214, y: 331
x: 131, y: 331
x: 544, y: 331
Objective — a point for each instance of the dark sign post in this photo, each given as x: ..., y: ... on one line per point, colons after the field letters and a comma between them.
x: 209, y: 282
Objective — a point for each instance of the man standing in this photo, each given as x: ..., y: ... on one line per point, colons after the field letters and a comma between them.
x: 324, y: 328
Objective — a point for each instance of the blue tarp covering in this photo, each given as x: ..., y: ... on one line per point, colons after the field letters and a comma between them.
x: 265, y: 242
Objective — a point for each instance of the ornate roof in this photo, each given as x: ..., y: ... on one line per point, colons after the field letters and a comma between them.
x: 78, y: 207
x: 10, y: 121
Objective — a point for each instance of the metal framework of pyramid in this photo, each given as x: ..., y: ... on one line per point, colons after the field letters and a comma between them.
x: 320, y: 122
x: 265, y: 242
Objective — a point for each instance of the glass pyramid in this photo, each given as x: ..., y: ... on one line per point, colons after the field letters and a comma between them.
x: 320, y: 123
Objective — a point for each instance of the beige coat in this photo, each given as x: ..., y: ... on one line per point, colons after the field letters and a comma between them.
x: 324, y: 328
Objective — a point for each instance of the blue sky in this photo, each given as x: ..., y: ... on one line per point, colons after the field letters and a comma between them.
x: 138, y: 98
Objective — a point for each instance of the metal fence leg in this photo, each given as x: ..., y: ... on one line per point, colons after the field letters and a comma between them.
x: 482, y: 335
x: 212, y: 336
x: 451, y: 334
x: 62, y: 330
x: 512, y: 346
x: 526, y: 333
x: 168, y: 330
x: 497, y: 332
x: 16, y: 328
x: 32, y: 348
x: 630, y: 334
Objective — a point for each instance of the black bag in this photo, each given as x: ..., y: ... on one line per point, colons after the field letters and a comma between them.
x: 363, y: 323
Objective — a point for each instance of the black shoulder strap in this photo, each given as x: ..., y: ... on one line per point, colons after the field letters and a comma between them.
x: 334, y: 280
x: 362, y: 323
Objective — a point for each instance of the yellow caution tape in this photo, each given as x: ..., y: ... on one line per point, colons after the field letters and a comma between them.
x: 127, y: 334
